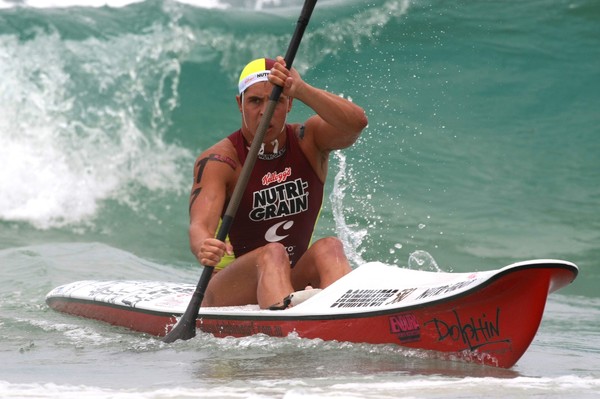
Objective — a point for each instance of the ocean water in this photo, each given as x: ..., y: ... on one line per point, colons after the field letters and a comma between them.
x: 482, y: 149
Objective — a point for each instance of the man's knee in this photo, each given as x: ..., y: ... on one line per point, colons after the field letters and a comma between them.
x: 273, y: 255
x: 329, y: 246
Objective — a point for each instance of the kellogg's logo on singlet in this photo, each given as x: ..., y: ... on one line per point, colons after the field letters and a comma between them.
x: 284, y: 199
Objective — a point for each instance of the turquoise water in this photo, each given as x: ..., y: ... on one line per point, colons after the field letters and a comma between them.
x: 481, y: 150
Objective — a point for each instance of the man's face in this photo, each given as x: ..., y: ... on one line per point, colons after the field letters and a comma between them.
x: 253, y: 104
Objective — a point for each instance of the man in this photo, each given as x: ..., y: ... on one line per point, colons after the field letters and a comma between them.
x: 268, y: 254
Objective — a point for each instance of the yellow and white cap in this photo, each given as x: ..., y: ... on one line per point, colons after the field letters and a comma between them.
x: 256, y: 71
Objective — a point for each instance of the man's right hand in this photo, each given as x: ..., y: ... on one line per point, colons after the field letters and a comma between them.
x: 212, y: 250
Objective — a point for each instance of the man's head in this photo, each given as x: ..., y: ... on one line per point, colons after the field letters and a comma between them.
x: 254, y: 93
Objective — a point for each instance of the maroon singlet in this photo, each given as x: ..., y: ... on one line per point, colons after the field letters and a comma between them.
x: 281, y: 202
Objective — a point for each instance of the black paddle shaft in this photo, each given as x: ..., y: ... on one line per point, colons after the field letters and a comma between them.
x: 186, y: 326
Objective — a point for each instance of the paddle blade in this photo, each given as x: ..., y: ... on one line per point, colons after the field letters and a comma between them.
x: 186, y: 326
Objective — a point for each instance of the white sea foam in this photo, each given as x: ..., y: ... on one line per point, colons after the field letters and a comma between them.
x: 350, y: 235
x: 403, y: 387
x: 98, y: 3
x: 219, y: 4
x: 67, y: 144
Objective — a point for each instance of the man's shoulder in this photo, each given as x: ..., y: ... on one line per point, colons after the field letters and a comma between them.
x: 297, y: 129
x: 305, y: 135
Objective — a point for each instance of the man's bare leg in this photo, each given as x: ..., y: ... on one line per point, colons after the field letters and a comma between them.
x: 324, y: 263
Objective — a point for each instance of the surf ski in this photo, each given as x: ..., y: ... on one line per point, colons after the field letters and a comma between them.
x: 489, y: 317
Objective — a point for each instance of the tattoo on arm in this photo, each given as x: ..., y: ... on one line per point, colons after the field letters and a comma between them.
x: 301, y: 134
x: 212, y: 157
x: 193, y: 197
x: 200, y: 165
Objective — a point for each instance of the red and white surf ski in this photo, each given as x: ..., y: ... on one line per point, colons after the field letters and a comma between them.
x: 489, y: 317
